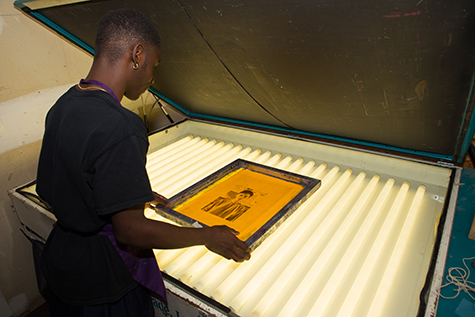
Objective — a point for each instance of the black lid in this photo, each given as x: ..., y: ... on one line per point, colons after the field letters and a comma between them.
x: 389, y: 74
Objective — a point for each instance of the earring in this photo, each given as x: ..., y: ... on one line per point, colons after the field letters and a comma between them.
x: 136, y: 66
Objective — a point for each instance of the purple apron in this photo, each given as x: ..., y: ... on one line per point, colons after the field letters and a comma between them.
x: 141, y: 264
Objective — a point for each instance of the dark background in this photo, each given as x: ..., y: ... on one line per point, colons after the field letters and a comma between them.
x: 395, y: 73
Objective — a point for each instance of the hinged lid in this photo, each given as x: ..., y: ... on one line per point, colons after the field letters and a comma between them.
x: 394, y: 75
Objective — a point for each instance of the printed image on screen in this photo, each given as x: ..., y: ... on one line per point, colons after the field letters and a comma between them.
x: 243, y: 200
x: 230, y: 207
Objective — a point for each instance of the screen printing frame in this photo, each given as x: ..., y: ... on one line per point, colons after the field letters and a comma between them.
x: 218, y: 179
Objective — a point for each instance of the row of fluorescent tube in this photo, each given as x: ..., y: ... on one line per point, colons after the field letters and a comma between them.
x: 337, y: 255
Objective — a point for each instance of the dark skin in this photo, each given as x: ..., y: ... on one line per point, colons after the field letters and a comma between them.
x: 131, y: 227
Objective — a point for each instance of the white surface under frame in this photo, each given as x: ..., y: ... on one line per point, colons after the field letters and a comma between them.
x: 360, y: 246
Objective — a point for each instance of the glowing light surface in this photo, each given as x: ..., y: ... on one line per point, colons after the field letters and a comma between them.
x: 337, y: 255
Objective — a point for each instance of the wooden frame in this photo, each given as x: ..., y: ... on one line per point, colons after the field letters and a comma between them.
x: 251, y: 198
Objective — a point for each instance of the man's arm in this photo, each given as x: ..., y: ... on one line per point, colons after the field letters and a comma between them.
x: 131, y: 227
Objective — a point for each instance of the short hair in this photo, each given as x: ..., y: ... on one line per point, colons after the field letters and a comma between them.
x: 120, y: 27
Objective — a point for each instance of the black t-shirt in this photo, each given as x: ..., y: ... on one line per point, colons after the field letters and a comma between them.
x: 92, y: 165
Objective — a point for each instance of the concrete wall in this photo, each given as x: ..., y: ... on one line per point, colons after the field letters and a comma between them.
x: 37, y: 66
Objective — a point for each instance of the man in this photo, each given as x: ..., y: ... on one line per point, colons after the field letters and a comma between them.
x: 91, y: 171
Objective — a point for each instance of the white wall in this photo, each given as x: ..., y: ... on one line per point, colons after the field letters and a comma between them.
x: 36, y: 67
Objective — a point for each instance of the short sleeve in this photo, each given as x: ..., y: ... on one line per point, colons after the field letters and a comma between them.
x: 120, y: 178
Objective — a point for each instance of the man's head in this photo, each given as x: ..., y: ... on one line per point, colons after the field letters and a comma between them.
x: 127, y: 51
x: 119, y: 29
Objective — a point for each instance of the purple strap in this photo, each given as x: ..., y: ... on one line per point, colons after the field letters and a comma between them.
x: 102, y: 85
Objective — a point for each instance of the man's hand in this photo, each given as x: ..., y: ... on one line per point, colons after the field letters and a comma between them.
x: 223, y: 241
x: 131, y: 227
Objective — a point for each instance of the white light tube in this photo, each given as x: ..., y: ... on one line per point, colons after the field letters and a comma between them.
x: 295, y: 165
x: 273, y: 160
x: 263, y: 157
x: 165, y: 257
x: 207, y: 166
x: 166, y: 150
x: 306, y: 168
x: 390, y: 274
x: 347, y: 308
x: 293, y: 236
x: 199, y: 268
x: 275, y: 257
x: 318, y: 171
x: 346, y: 260
x: 190, y: 255
x: 284, y: 163
x: 193, y: 163
x: 211, y: 276
x: 161, y: 167
x: 186, y: 160
x: 306, y: 283
x: 251, y: 156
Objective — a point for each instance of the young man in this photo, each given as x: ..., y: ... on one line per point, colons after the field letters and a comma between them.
x: 91, y: 171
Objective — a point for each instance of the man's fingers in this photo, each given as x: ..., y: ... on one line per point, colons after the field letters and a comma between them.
x: 243, y: 252
x: 224, y: 241
x: 237, y: 256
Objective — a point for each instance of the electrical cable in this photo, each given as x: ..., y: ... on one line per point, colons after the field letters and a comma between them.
x: 153, y: 105
x: 227, y: 69
x: 145, y: 120
x: 157, y: 100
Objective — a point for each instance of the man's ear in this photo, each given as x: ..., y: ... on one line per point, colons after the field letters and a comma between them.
x: 136, y: 53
